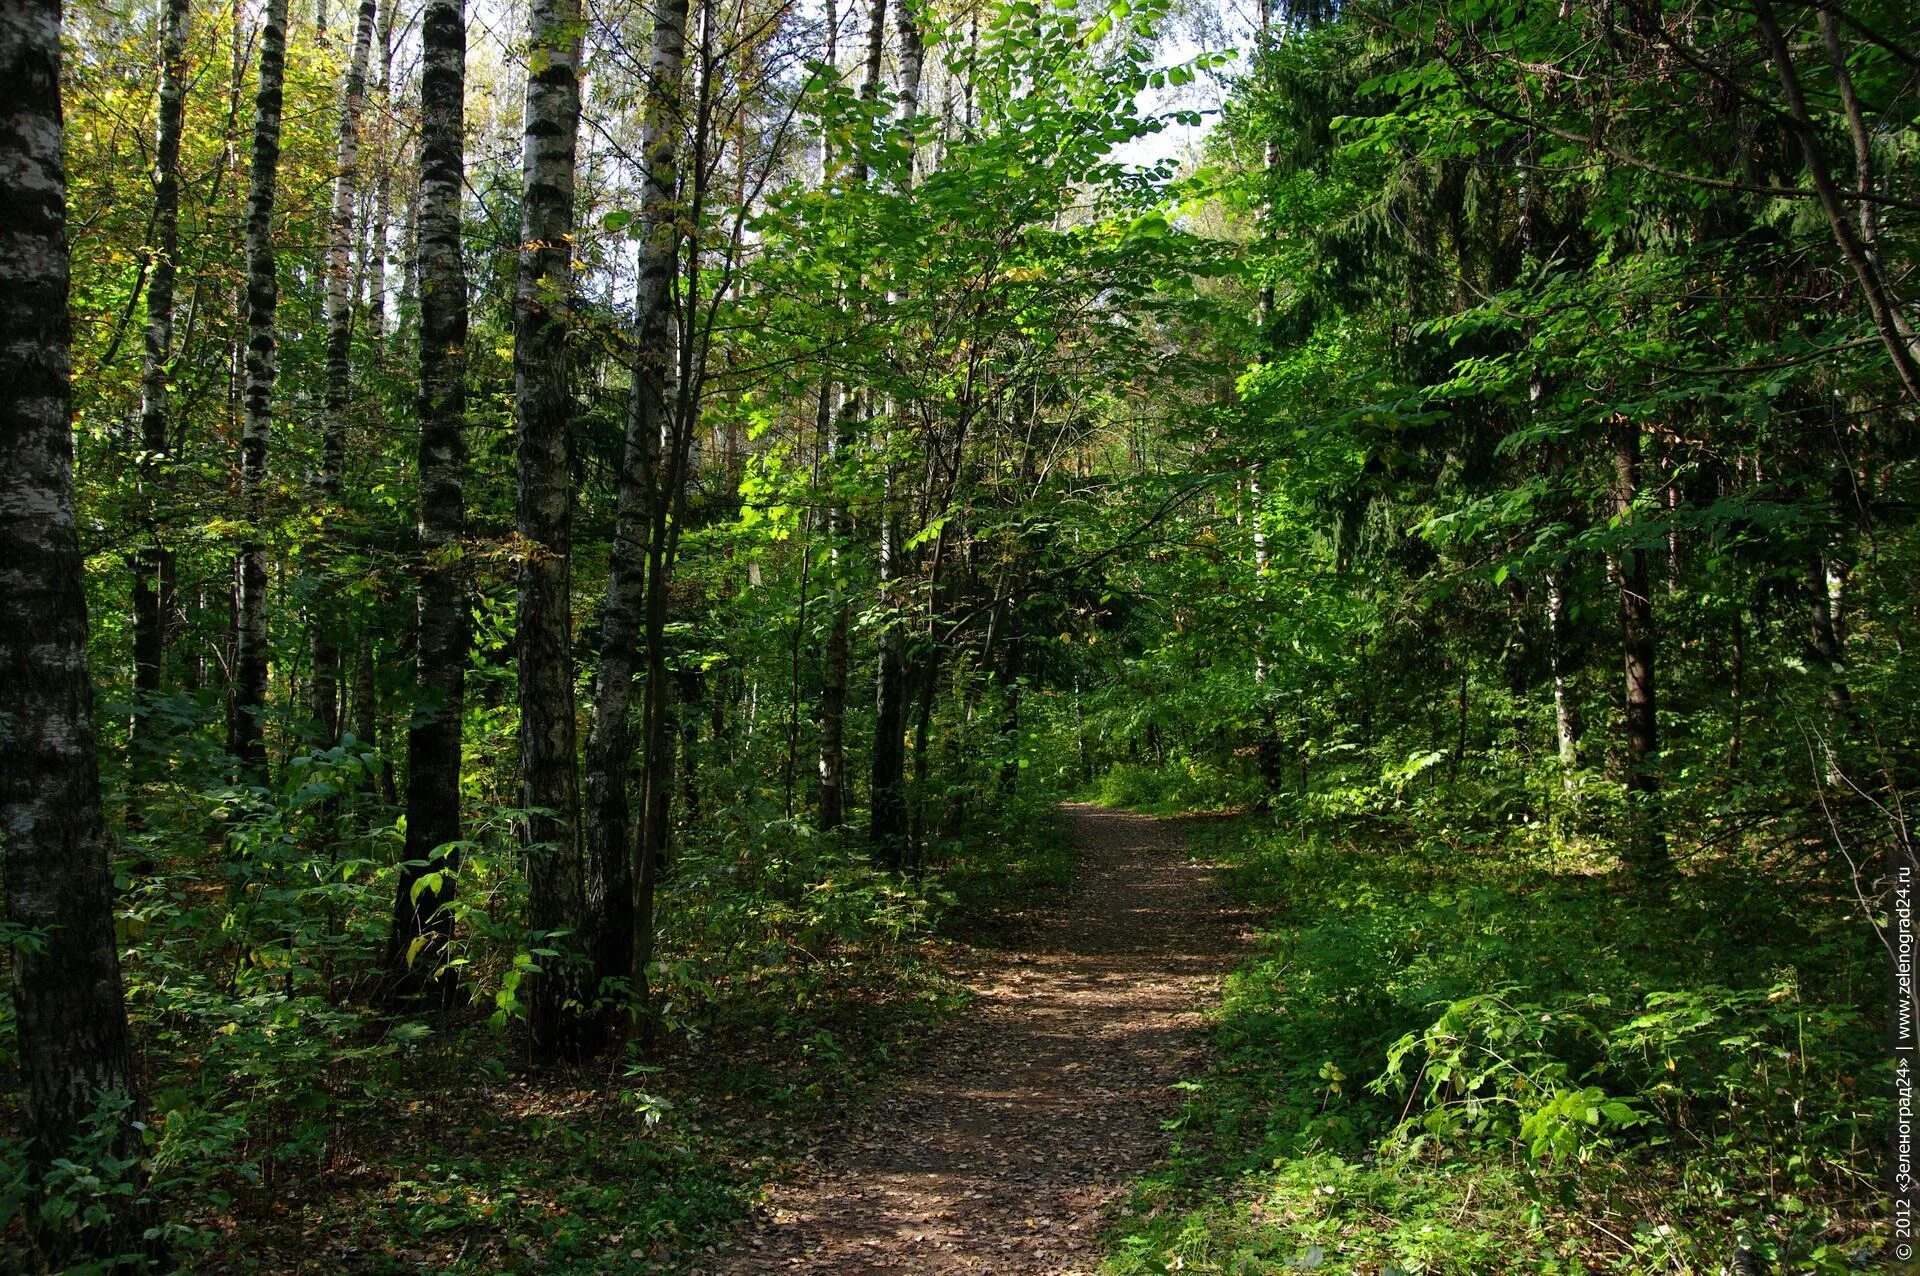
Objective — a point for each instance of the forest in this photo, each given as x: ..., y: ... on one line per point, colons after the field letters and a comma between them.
x: 923, y: 636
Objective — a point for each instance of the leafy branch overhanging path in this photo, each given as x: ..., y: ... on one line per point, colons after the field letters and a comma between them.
x: 1034, y: 1108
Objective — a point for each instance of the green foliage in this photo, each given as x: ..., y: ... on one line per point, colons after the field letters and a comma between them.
x: 84, y: 1186
x: 1181, y: 784
x: 1292, y: 481
x: 1474, y: 1059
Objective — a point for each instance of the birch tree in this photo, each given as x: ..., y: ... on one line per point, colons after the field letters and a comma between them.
x: 422, y: 924
x: 544, y: 521
x: 245, y: 725
x: 71, y: 1022
x: 608, y: 819
x: 326, y: 670
x: 152, y: 564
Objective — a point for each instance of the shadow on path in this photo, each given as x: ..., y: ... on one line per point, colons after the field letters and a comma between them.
x: 1032, y: 1110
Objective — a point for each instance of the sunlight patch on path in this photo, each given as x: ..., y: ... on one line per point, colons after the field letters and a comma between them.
x: 1029, y: 1113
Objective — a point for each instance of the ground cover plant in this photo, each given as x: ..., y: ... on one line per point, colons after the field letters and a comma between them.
x: 1456, y: 1052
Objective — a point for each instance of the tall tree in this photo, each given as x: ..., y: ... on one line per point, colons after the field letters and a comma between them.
x: 837, y: 658
x: 152, y: 565
x: 837, y: 655
x: 611, y: 872
x: 246, y: 738
x: 72, y: 1022
x: 323, y: 621
x: 888, y: 802
x: 830, y: 415
x: 422, y: 922
x: 1645, y: 847
x: 544, y: 518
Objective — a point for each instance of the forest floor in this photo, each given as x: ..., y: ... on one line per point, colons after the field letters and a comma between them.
x: 1032, y: 1110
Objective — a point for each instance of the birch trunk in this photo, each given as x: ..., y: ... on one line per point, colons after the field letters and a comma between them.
x: 834, y: 424
x: 667, y: 513
x: 422, y: 925
x: 322, y: 621
x: 71, y: 1020
x: 245, y: 732
x: 888, y: 803
x: 839, y: 645
x: 544, y: 518
x: 382, y: 218
x: 152, y: 565
x: 1566, y: 712
x: 610, y: 873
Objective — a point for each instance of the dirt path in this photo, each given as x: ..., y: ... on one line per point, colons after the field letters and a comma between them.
x: 1032, y: 1110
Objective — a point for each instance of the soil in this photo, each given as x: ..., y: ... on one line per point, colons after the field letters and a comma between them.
x: 1034, y: 1108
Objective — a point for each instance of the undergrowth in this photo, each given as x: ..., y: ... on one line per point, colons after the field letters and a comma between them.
x: 293, y: 1122
x: 1181, y: 785
x: 1474, y: 1052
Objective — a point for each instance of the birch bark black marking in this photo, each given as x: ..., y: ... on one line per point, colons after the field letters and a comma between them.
x: 323, y: 621
x: 559, y: 994
x: 422, y: 924
x: 246, y: 738
x: 71, y: 1019
x: 152, y: 564
x: 610, y: 870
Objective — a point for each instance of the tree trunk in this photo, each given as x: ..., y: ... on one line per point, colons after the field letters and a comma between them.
x: 870, y: 78
x: 928, y: 670
x: 833, y: 716
x: 887, y: 825
x: 1826, y: 586
x: 410, y: 256
x: 689, y: 690
x: 544, y: 518
x: 1645, y: 845
x: 829, y: 420
x: 246, y: 738
x: 609, y: 823
x: 71, y: 1022
x: 366, y: 711
x: 151, y: 564
x: 790, y: 769
x: 679, y: 456
x: 422, y: 925
x: 383, y: 181
x: 1010, y: 715
x: 888, y: 809
x: 839, y: 652
x: 656, y: 785
x: 1566, y: 710
x: 838, y: 655
x: 323, y: 620
x: 1267, y: 750
x: 1737, y: 684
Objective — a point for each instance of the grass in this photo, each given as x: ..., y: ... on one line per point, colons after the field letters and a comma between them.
x: 1471, y: 1054
x: 1184, y: 785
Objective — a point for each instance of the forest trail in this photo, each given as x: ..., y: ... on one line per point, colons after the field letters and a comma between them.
x: 1032, y: 1110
